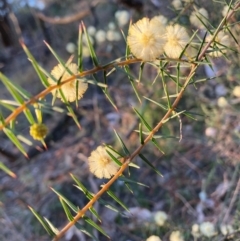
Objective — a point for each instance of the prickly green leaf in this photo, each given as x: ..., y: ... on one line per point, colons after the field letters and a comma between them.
x: 24, y: 140
x: 93, y: 82
x: 14, y: 140
x: 9, y: 84
x: 36, y: 66
x: 105, y: 89
x: 17, y: 95
x: 127, y: 180
x: 54, y: 54
x: 125, y: 150
x: 90, y: 46
x: 55, y: 230
x: 149, y: 164
x: 141, y: 134
x: 66, y: 210
x: 87, y: 232
x: 44, y: 223
x: 70, y: 109
x: 71, y: 205
x: 81, y: 187
x: 94, y: 212
x: 93, y: 224
x: 7, y: 105
x: 114, y: 158
x: 7, y: 170
x: 143, y: 120
x: 162, y: 106
x: 127, y: 70
x: 112, y: 195
x: 80, y: 48
x: 157, y: 145
x: 173, y: 116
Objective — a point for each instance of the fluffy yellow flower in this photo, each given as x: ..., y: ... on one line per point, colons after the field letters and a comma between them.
x: 226, y: 229
x: 218, y: 46
x: 207, y: 229
x: 101, y: 164
x: 177, y: 38
x: 38, y: 131
x: 196, y: 231
x: 160, y: 218
x: 176, y: 236
x: 199, y: 14
x: 153, y: 238
x: 236, y: 91
x: 68, y: 89
x: 162, y: 20
x: 145, y: 39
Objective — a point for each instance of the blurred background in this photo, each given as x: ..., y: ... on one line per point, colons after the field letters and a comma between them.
x: 200, y: 166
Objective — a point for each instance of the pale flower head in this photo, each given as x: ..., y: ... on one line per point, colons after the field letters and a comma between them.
x: 207, y: 229
x: 70, y: 47
x: 70, y: 90
x: 236, y: 91
x: 160, y: 218
x: 222, y: 102
x: 218, y: 47
x: 122, y: 17
x: 210, y: 132
x: 177, y: 4
x: 153, y: 238
x: 113, y: 35
x: 101, y: 164
x: 100, y: 36
x: 112, y: 26
x: 176, y: 236
x: 226, y: 229
x: 225, y: 10
x: 195, y: 231
x: 162, y: 20
x: 91, y: 30
x: 199, y: 14
x: 177, y: 39
x: 145, y: 39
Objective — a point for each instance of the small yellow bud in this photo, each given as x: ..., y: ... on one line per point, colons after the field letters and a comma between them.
x: 38, y: 131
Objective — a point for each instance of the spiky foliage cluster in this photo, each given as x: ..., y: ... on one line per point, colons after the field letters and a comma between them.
x: 150, y: 41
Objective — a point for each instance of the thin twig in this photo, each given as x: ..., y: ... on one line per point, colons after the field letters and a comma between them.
x: 71, y: 18
x: 233, y: 200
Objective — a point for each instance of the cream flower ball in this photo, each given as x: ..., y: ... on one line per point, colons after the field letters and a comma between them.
x: 207, y: 229
x: 176, y: 236
x: 162, y: 20
x: 177, y: 4
x: 195, y: 231
x: 218, y: 47
x: 160, y: 218
x: 225, y: 10
x: 226, y: 229
x: 153, y: 238
x: 199, y: 14
x: 69, y: 89
x: 145, y: 39
x: 236, y: 91
x: 176, y: 40
x: 101, y: 164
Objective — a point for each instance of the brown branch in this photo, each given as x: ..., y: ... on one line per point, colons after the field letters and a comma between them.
x: 63, y: 20
x: 48, y: 90
x: 71, y: 18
